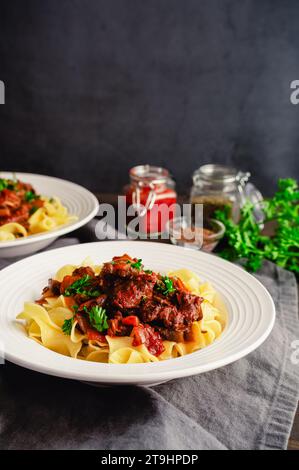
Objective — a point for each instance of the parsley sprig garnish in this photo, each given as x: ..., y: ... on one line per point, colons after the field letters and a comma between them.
x: 7, y: 184
x: 30, y: 196
x: 67, y: 326
x: 166, y: 286
x: 82, y: 286
x: 246, y: 239
x: 136, y: 264
x: 97, y: 317
x: 3, y: 184
x: 68, y: 323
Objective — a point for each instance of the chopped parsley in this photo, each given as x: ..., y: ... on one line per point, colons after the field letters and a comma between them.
x: 7, y: 184
x: 3, y: 184
x: 136, y: 264
x: 98, y: 318
x: 82, y: 286
x: 78, y: 286
x: 30, y: 196
x: 68, y: 323
x: 148, y: 271
x: 166, y: 286
x: 67, y: 326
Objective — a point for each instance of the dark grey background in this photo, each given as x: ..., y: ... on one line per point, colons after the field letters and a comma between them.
x: 94, y: 87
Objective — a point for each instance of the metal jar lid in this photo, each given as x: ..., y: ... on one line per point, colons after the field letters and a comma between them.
x: 149, y: 174
x: 219, y: 174
x: 222, y: 175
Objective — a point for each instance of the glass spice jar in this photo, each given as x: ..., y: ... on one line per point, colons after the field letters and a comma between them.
x: 151, y: 193
x: 216, y: 186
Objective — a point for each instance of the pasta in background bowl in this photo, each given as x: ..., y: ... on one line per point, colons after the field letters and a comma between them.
x: 248, y: 308
x: 36, y: 209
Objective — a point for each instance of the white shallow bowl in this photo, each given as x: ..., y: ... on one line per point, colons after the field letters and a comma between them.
x: 78, y: 200
x: 250, y: 311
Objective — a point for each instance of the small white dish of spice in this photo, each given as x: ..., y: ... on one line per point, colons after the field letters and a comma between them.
x: 183, y: 232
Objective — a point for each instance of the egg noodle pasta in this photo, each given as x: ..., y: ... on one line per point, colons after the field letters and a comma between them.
x: 52, y: 215
x: 11, y: 231
x: 58, y: 321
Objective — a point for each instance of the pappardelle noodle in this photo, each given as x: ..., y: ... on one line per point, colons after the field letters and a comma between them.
x: 122, y: 313
x: 23, y: 212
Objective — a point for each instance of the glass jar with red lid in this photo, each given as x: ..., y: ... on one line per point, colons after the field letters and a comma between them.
x: 152, y: 196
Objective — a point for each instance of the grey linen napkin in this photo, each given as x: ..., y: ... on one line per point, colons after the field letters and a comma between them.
x: 249, y: 404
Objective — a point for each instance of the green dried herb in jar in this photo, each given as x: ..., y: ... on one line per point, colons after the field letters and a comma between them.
x: 217, y: 186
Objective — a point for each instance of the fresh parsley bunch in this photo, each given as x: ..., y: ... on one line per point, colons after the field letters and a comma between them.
x: 247, y: 240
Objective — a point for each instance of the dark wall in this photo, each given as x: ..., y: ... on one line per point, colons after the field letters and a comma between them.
x: 94, y: 87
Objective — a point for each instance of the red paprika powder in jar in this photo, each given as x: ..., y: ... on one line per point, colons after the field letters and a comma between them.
x: 152, y: 195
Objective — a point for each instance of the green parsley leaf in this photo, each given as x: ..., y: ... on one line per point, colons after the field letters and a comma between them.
x: 78, y: 286
x: 67, y: 326
x: 136, y: 264
x: 3, y: 184
x: 7, y: 184
x: 166, y: 286
x: 92, y: 292
x: 98, y: 318
x: 30, y: 196
x: 82, y: 286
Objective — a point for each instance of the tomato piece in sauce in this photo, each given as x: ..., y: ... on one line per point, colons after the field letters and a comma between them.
x: 131, y: 320
x: 145, y: 334
x: 94, y: 335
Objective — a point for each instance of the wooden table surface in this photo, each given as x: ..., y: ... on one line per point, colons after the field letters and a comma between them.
x: 294, y: 437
